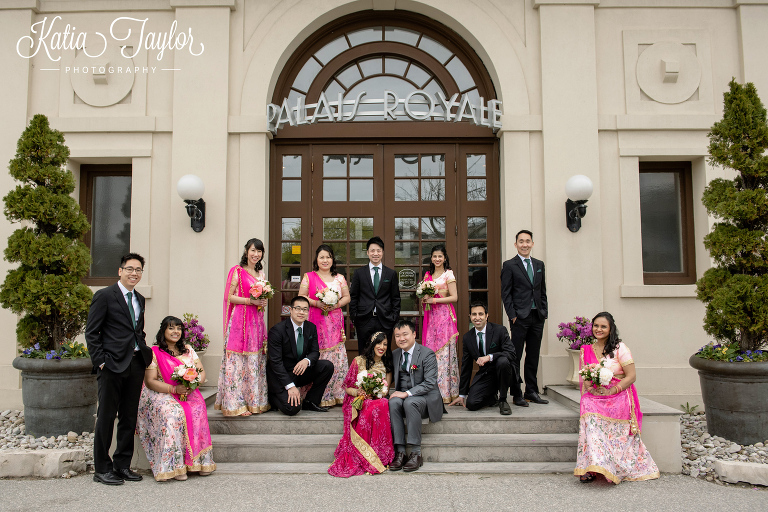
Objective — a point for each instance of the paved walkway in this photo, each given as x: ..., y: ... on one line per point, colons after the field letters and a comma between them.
x: 416, y: 492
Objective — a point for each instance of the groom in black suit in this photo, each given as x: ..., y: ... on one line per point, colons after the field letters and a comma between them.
x: 489, y: 346
x: 294, y: 361
x: 119, y: 353
x: 524, y: 294
x: 374, y: 296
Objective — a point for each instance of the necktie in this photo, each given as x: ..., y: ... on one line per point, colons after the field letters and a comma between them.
x: 480, y: 344
x: 405, y: 362
x: 375, y: 279
x: 299, y: 343
x: 133, y: 314
x: 529, y: 268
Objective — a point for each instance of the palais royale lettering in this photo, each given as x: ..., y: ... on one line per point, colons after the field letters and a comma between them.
x: 419, y: 105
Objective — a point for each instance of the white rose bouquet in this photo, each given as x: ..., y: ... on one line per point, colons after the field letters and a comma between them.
x: 372, y: 385
x: 329, y: 296
x: 426, y: 289
x: 597, y: 373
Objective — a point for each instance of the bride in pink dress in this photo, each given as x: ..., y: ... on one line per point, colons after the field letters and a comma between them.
x: 610, y: 421
x: 366, y: 446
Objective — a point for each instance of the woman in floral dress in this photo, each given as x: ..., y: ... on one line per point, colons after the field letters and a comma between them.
x: 172, y: 420
x: 242, y: 378
x: 439, y: 331
x: 610, y: 421
x: 328, y: 319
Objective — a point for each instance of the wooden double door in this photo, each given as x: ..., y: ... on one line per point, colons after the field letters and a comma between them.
x: 413, y: 196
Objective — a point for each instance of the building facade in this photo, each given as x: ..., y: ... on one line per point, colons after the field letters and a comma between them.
x: 423, y: 122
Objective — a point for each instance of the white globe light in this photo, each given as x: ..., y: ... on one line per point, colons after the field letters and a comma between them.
x: 578, y: 188
x: 190, y: 187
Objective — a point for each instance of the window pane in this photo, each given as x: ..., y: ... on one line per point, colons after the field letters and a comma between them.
x: 660, y: 222
x: 333, y: 90
x: 291, y: 228
x: 406, y: 228
x: 291, y: 166
x: 460, y: 74
x: 366, y: 35
x: 110, y: 223
x: 332, y: 49
x: 371, y: 66
x: 409, y: 304
x: 288, y: 278
x: 477, y: 228
x: 476, y: 190
x: 360, y: 166
x: 291, y: 190
x: 478, y: 252
x: 339, y: 253
x: 395, y: 66
x: 417, y: 75
x: 434, y: 48
x: 334, y: 190
x: 306, y: 75
x: 335, y: 228
x: 360, y: 228
x: 476, y: 165
x: 334, y: 166
x: 433, y: 165
x: 432, y: 190
x: 406, y: 190
x: 478, y: 277
x: 358, y: 254
x: 406, y: 165
x: 406, y: 252
x: 401, y: 35
x: 433, y: 228
x: 291, y: 252
x: 349, y: 76
x: 361, y: 190
x: 481, y: 296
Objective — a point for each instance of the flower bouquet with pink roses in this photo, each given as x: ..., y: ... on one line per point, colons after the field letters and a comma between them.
x: 373, y: 386
x: 262, y: 289
x: 188, y: 376
x: 426, y: 289
x: 597, y: 373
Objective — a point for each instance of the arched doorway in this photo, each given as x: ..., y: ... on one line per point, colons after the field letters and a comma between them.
x: 370, y: 167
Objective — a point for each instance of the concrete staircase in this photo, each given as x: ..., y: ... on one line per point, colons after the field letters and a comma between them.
x: 535, y: 439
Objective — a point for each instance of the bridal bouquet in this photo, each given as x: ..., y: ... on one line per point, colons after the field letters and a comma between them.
x: 597, y: 373
x: 329, y: 296
x: 426, y: 289
x: 188, y: 376
x: 373, y: 386
x: 262, y: 289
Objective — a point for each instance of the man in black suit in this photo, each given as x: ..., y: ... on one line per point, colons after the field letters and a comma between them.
x: 489, y: 345
x: 116, y: 341
x: 524, y: 293
x: 374, y: 296
x: 294, y: 361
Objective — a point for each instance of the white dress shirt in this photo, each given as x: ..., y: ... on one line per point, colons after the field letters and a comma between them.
x: 134, y: 300
x: 296, y: 337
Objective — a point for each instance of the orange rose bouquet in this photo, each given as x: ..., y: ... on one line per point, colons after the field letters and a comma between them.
x: 262, y: 289
x: 188, y: 376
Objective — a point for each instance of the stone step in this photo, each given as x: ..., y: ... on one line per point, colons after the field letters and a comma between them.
x: 553, y: 418
x: 503, y: 468
x: 436, y: 447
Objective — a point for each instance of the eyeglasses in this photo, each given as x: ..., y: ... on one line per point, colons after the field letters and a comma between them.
x: 300, y: 310
x: 131, y: 270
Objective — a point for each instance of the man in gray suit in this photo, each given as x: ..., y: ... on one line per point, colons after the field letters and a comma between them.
x: 414, y: 396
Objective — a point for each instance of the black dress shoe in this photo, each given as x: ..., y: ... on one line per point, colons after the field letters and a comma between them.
x: 109, y: 478
x: 127, y: 474
x: 535, y: 398
x: 397, y: 463
x: 518, y: 400
x: 414, y: 462
x: 309, y: 406
x: 504, y: 408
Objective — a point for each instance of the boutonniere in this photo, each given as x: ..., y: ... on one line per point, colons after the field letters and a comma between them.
x: 414, y: 367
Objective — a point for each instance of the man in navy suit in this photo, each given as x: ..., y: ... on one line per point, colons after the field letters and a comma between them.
x: 293, y: 361
x: 524, y: 294
x: 489, y: 346
x: 374, y: 296
x: 119, y: 353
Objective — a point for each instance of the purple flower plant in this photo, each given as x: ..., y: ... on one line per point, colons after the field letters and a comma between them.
x: 576, y: 333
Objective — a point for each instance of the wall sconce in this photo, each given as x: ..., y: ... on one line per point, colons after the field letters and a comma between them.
x: 579, y: 189
x: 191, y: 189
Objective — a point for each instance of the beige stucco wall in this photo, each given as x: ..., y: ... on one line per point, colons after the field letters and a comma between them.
x: 565, y: 70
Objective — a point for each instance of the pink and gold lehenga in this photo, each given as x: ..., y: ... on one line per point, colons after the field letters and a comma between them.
x: 609, y: 427
x: 243, y: 377
x: 439, y: 334
x: 366, y: 446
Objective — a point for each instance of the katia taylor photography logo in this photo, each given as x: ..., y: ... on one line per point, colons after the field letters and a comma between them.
x: 48, y: 36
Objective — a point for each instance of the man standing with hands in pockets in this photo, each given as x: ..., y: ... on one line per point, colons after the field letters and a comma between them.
x: 524, y: 294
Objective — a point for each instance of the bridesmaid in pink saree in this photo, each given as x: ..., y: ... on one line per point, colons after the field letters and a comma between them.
x: 439, y: 331
x: 366, y: 446
x: 242, y: 378
x: 328, y: 319
x: 610, y: 421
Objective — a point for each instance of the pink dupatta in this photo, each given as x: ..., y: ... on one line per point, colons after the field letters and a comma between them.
x: 243, y: 318
x: 622, y: 406
x: 329, y: 327
x: 198, y: 434
x: 435, y: 311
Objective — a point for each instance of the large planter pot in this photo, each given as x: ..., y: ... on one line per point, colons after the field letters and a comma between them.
x: 573, y: 375
x: 735, y: 399
x: 58, y: 396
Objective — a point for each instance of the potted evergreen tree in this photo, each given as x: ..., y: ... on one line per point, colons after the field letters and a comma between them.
x: 45, y: 290
x: 733, y: 369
